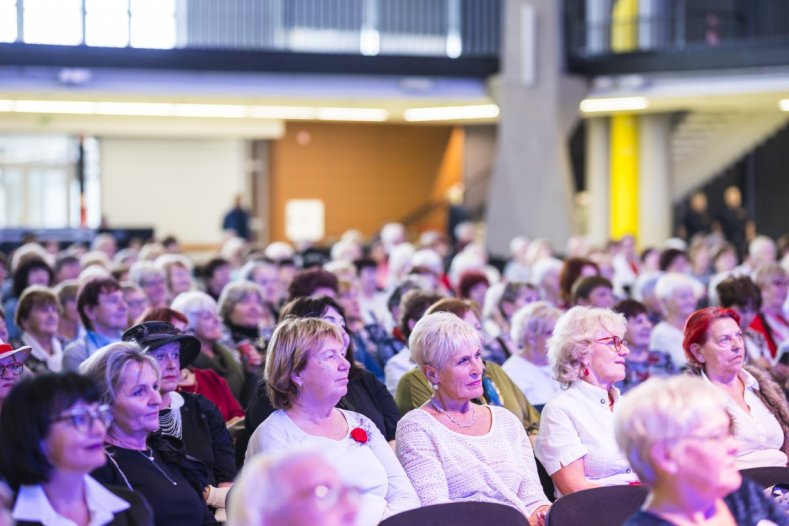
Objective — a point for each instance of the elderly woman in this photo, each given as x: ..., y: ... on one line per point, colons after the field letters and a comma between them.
x: 38, y: 315
x: 414, y: 389
x: 678, y: 296
x: 454, y: 450
x: 677, y: 435
x: 52, y: 435
x: 306, y: 375
x: 31, y: 271
x: 365, y: 394
x: 295, y: 488
x: 12, y: 364
x: 152, y: 280
x: 771, y: 321
x: 172, y: 484
x: 204, y: 322
x: 642, y: 363
x: 136, y: 302
x: 741, y: 294
x: 501, y: 302
x: 177, y: 270
x: 757, y: 405
x: 576, y: 439
x: 531, y: 327
x: 242, y: 307
x: 189, y: 417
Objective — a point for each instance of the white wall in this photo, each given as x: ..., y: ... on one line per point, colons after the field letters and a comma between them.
x: 181, y: 187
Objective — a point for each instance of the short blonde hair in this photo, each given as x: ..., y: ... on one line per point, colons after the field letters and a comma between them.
x: 766, y: 272
x: 532, y: 319
x: 287, y: 354
x: 438, y: 336
x: 662, y: 409
x: 568, y: 348
x: 107, y: 366
x: 235, y: 292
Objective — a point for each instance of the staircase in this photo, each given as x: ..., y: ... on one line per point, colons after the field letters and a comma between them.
x: 705, y: 142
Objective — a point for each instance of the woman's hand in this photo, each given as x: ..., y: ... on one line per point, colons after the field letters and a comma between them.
x: 537, y: 518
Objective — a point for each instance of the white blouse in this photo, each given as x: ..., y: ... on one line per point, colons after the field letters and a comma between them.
x: 372, y: 467
x: 579, y: 424
x: 537, y: 382
x: 667, y: 338
x: 446, y: 466
x: 759, y: 435
x: 32, y: 505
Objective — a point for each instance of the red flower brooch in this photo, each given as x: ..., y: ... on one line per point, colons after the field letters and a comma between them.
x: 360, y: 435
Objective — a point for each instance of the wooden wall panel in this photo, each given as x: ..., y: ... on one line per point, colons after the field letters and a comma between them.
x: 366, y: 174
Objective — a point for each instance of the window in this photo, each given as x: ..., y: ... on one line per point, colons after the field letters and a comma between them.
x: 8, y: 31
x: 107, y: 23
x: 153, y: 23
x: 52, y: 22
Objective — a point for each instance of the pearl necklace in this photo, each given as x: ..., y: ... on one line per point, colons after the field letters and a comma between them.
x: 468, y: 424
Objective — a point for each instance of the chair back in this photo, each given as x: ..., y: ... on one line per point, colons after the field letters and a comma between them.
x: 608, y: 506
x: 767, y: 477
x: 459, y: 514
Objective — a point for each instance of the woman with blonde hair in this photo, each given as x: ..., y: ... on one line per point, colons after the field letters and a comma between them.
x: 677, y: 435
x: 576, y: 439
x: 306, y: 374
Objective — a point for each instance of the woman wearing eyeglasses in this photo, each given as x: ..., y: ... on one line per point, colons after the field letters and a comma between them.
x: 12, y: 363
x: 576, y: 441
x: 52, y: 432
x: 715, y: 350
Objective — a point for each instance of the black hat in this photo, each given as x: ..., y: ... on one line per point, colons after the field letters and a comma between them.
x: 151, y: 335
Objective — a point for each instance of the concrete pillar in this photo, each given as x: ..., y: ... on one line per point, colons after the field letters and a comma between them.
x: 531, y: 188
x: 655, y: 179
x: 597, y: 181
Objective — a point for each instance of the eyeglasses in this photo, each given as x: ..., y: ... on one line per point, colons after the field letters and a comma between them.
x: 326, y: 497
x: 82, y: 419
x: 15, y: 368
x: 616, y: 341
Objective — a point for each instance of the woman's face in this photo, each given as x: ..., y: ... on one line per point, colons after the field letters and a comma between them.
x: 38, y: 276
x: 325, y: 377
x: 208, y: 327
x: 706, y: 457
x: 477, y: 293
x: 607, y: 356
x: 774, y: 292
x: 682, y: 302
x: 75, y: 442
x: 461, y: 377
x: 723, y: 353
x: 136, y: 302
x: 248, y: 311
x: 639, y: 328
x: 43, y: 320
x: 538, y: 343
x: 70, y: 312
x: 137, y: 401
x: 167, y: 356
x: 333, y: 316
x: 349, y: 299
x: 11, y: 374
x: 267, y: 276
x: 180, y: 279
x: 155, y: 289
x: 725, y: 262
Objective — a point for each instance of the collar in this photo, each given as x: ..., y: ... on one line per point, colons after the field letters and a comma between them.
x: 588, y: 390
x: 748, y: 380
x: 39, y: 353
x: 32, y: 505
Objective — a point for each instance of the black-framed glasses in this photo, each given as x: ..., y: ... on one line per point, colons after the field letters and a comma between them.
x: 15, y: 368
x: 82, y: 419
x: 614, y: 341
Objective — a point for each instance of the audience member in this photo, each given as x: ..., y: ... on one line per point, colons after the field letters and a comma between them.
x: 757, y: 406
x: 593, y: 291
x: 69, y: 326
x: 216, y: 275
x: 444, y: 465
x: 306, y: 375
x: 678, y: 299
x: 576, y: 441
x: 743, y: 296
x: 677, y: 435
x: 152, y: 280
x: 12, y: 365
x: 38, y: 315
x: 771, y: 321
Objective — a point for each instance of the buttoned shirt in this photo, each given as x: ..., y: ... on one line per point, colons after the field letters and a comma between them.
x: 32, y: 505
x: 580, y: 424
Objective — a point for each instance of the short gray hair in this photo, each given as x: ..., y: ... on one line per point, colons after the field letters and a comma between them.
x: 568, y: 348
x: 531, y: 320
x: 662, y: 409
x: 437, y: 336
x: 190, y: 303
x: 107, y: 366
x: 668, y: 284
x: 143, y: 269
x: 235, y: 292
